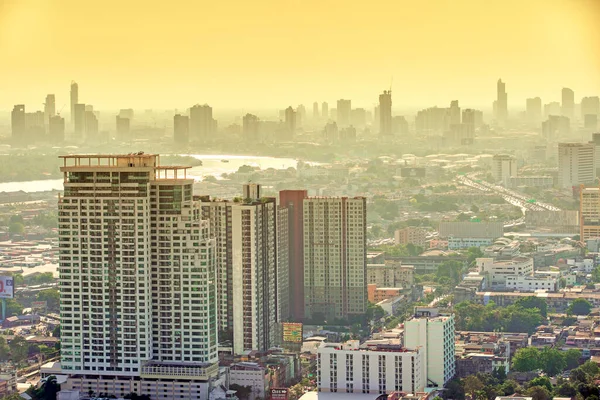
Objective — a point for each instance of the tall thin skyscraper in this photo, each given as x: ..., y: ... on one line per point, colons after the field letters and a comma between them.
x: 454, y: 113
x: 17, y: 123
x: 49, y: 108
x: 181, y: 129
x: 137, y: 279
x: 201, y: 122
x: 74, y: 100
x: 250, y: 128
x: 501, y: 104
x: 534, y: 111
x: 335, y: 253
x: 247, y: 267
x: 79, y: 120
x: 385, y: 113
x: 315, y: 110
x: 344, y: 108
x: 576, y: 164
x: 290, y: 122
x: 325, y: 110
x: 56, y: 129
x: 293, y: 201
x: 568, y: 103
x: 123, y: 128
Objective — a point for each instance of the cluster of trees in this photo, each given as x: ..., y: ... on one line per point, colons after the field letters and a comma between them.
x: 520, y: 317
x: 580, y: 385
x: 27, y: 167
x: 550, y: 360
x: 386, y: 209
x: 33, y: 279
x: 19, y: 350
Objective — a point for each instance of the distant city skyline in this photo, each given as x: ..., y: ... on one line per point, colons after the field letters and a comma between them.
x: 243, y: 57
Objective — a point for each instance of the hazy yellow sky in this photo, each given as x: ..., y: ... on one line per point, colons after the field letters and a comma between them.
x: 271, y: 53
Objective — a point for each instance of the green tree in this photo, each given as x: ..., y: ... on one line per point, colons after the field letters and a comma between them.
x: 566, y: 389
x: 451, y: 269
x: 539, y: 393
x: 472, y: 384
x: 455, y: 390
x: 13, y: 307
x: 552, y: 361
x: 534, y: 302
x: 19, y: 349
x: 526, y: 359
x: 572, y: 357
x: 16, y: 228
x: 580, y: 307
x: 578, y: 375
x: 590, y: 368
x: 499, y: 373
x: 51, y: 296
x: 542, y: 381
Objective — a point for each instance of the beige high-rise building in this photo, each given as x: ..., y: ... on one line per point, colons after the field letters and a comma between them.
x: 575, y: 164
x: 335, y: 254
x: 589, y: 212
x: 411, y: 235
x: 503, y: 168
x: 249, y: 267
x: 137, y: 278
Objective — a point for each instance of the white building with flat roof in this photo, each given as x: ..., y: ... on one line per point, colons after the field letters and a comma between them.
x: 370, y: 369
x: 497, y: 272
x: 434, y: 333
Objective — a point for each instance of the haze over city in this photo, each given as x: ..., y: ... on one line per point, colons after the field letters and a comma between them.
x: 262, y: 54
x: 300, y: 200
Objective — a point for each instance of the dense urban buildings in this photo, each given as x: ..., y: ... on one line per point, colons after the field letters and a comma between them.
x: 589, y: 212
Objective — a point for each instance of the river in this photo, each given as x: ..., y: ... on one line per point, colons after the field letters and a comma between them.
x: 211, y: 165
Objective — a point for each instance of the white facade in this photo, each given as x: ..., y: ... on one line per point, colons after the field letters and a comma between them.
x: 503, y: 168
x: 335, y: 257
x: 252, y: 375
x: 575, y: 164
x: 435, y: 334
x: 345, y: 368
x: 497, y: 272
x: 531, y: 283
x: 137, y: 270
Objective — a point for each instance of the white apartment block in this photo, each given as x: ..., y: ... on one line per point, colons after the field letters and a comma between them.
x: 137, y: 273
x: 434, y: 333
x: 378, y: 369
x: 335, y: 257
x: 497, y: 272
x: 575, y: 164
x: 503, y: 168
x: 247, y: 261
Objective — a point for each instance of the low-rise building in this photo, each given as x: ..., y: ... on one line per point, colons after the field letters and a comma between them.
x: 497, y: 272
x: 456, y: 243
x: 390, y: 273
x: 526, y: 283
x: 377, y: 369
x: 376, y: 294
x: 411, y: 235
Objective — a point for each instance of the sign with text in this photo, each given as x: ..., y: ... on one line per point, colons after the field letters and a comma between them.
x: 292, y: 332
x: 279, y: 394
x: 6, y: 287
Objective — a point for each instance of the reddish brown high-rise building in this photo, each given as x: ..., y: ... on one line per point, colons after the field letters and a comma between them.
x: 293, y: 200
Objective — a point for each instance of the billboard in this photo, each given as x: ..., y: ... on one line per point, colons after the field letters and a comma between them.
x: 410, y: 172
x: 39, y: 305
x: 279, y: 394
x: 292, y: 332
x: 6, y: 287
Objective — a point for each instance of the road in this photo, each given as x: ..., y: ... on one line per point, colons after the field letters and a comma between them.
x: 510, y: 196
